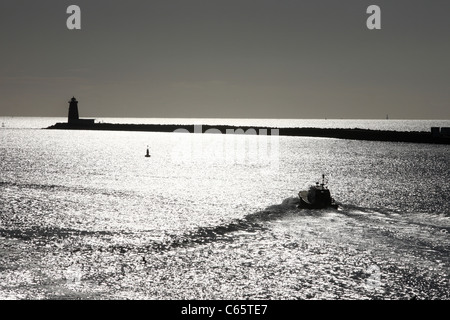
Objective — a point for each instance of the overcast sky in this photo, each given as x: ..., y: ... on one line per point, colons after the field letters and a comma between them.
x: 226, y: 59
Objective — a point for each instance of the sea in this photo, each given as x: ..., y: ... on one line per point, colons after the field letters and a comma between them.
x: 85, y: 215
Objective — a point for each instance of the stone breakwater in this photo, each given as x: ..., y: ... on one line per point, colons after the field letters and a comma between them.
x: 352, y: 134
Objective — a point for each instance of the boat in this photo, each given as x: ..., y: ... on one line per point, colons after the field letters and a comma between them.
x: 318, y: 196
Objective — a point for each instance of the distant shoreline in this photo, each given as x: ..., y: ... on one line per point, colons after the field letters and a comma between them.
x: 351, y: 134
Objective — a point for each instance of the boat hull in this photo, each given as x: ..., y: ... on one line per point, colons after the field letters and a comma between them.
x: 307, y: 205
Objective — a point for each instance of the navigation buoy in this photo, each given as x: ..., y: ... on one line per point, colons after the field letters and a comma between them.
x: 147, y: 155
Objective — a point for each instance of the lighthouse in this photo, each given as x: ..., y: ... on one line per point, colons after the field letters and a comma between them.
x: 73, y: 110
x: 74, y: 118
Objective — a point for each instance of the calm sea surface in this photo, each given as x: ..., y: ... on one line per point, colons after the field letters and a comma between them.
x: 83, y: 214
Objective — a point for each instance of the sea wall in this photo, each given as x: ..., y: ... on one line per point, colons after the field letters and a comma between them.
x: 353, y: 134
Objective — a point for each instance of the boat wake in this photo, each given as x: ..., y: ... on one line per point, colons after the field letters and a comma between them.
x: 287, y: 209
x: 249, y: 224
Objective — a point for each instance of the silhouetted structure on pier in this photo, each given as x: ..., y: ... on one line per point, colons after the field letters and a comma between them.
x: 73, y: 111
x: 443, y: 132
x: 74, y: 118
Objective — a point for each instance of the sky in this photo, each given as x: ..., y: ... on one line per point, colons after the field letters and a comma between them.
x: 280, y: 59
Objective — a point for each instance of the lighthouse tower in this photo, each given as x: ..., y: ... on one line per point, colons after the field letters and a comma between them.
x: 73, y: 110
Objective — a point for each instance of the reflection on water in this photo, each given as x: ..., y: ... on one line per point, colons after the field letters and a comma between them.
x: 86, y: 215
